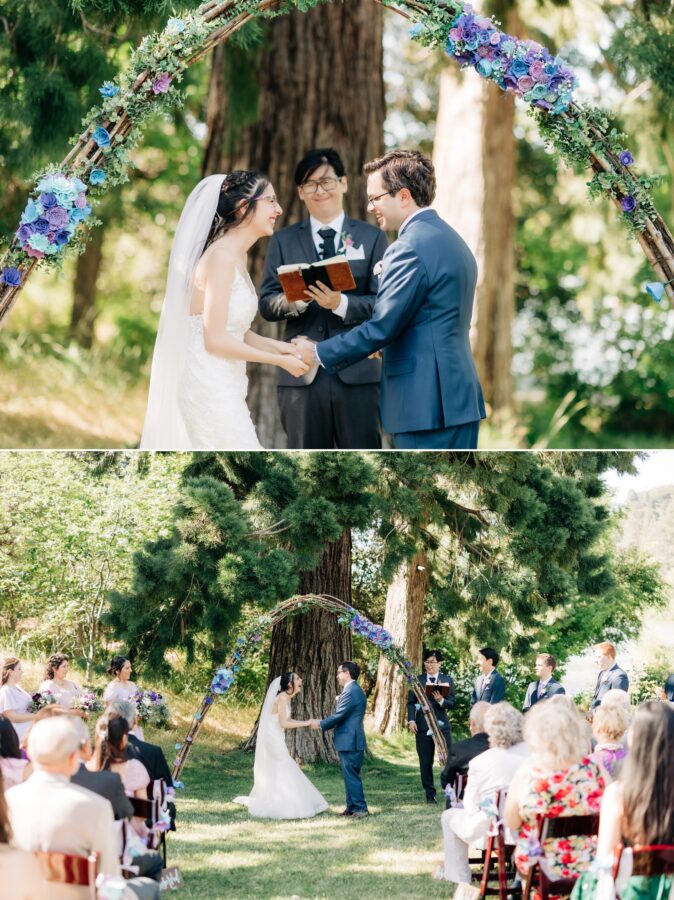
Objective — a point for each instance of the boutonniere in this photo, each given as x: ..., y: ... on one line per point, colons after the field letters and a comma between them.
x: 376, y: 271
x: 346, y: 239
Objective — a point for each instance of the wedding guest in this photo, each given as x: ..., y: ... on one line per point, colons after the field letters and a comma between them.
x: 619, y: 698
x: 56, y: 682
x: 560, y: 779
x: 489, y: 772
x: 611, y: 676
x: 609, y: 725
x: 121, y: 687
x: 490, y: 685
x: 19, y: 870
x: 638, y: 809
x: 13, y: 766
x: 545, y: 686
x: 417, y: 723
x: 323, y: 410
x: 462, y: 752
x: 104, y: 783
x: 15, y: 702
x: 47, y: 812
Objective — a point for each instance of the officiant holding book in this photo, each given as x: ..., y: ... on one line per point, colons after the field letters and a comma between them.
x: 320, y: 411
x: 440, y: 695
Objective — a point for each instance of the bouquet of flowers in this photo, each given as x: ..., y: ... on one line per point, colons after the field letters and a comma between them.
x: 38, y: 701
x: 152, y: 708
x: 88, y: 702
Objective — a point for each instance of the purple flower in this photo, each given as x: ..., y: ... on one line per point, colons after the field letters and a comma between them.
x: 57, y: 217
x: 81, y: 201
x: 12, y: 277
x: 628, y: 204
x: 25, y: 232
x: 42, y: 226
x: 626, y: 158
x: 161, y: 84
x: 47, y: 200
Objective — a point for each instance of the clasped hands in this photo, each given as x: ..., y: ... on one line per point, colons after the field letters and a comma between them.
x: 314, y: 723
x: 305, y: 348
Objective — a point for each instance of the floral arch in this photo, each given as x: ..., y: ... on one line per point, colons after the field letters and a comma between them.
x: 55, y: 217
x: 247, y: 643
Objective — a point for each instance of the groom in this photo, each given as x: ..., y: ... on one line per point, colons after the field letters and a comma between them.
x: 349, y: 738
x: 430, y: 393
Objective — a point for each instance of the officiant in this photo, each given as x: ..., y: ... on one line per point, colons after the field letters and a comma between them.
x: 321, y: 411
x: 441, y: 701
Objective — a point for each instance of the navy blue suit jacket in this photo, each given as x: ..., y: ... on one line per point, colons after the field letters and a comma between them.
x: 421, y: 320
x: 615, y: 679
x: 347, y: 719
x: 493, y: 692
x: 553, y: 687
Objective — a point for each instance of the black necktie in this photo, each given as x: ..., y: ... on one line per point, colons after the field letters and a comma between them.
x: 328, y: 245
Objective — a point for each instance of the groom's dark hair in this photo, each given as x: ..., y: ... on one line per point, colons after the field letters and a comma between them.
x: 409, y: 169
x: 352, y: 668
x: 314, y: 159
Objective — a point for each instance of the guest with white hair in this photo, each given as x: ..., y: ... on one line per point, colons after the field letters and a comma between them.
x: 489, y: 772
x: 618, y: 697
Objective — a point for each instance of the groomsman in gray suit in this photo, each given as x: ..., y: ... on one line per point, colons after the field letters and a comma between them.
x: 321, y: 410
x: 545, y: 686
x: 611, y: 676
x: 490, y: 686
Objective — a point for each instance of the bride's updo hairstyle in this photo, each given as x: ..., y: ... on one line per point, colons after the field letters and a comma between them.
x: 238, y: 188
x: 287, y: 681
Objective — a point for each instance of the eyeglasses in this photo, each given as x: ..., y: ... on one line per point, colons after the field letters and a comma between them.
x: 372, y: 200
x: 270, y: 198
x: 328, y: 184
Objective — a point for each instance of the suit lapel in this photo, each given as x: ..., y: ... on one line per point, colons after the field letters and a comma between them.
x: 307, y: 242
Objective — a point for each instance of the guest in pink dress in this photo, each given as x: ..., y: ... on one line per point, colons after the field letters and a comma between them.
x: 56, y: 682
x: 121, y: 687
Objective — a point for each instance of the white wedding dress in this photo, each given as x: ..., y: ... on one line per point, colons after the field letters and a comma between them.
x: 197, y: 401
x: 212, y: 392
x: 281, y: 790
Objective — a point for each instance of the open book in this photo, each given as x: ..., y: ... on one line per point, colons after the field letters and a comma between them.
x: 296, y: 278
x: 432, y: 688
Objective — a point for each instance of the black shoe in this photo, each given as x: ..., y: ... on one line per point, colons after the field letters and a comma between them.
x: 346, y: 812
x: 360, y: 814
x: 431, y: 800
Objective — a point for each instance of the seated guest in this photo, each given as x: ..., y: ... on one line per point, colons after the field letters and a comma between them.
x: 463, y: 751
x: 56, y: 682
x: 490, y: 685
x: 487, y: 773
x: 560, y: 779
x: 13, y: 766
x: 104, y: 783
x: 151, y: 755
x: 545, y: 686
x: 609, y: 725
x: 611, y: 676
x: 19, y: 871
x: 637, y: 809
x: 47, y: 812
x: 619, y: 698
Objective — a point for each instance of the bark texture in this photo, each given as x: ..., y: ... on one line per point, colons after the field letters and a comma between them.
x: 404, y: 619
x: 84, y: 311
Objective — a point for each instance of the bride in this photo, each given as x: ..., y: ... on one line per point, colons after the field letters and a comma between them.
x: 281, y: 790
x: 198, y: 384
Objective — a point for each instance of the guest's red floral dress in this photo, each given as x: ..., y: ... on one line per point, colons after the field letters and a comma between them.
x: 575, y: 791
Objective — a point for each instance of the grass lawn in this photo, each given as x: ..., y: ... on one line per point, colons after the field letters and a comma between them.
x: 223, y: 853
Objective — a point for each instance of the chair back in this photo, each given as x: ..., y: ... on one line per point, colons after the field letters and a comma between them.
x: 648, y: 859
x: 460, y: 782
x: 568, y: 826
x: 68, y: 868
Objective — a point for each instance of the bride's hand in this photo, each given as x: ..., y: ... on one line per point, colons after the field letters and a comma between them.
x: 294, y: 366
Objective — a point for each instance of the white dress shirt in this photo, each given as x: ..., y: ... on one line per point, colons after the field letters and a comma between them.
x: 338, y: 225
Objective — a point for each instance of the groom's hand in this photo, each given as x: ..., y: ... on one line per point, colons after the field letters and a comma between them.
x: 315, y: 724
x: 324, y: 296
x: 306, y: 349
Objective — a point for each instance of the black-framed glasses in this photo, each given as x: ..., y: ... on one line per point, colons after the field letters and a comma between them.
x: 329, y: 183
x: 372, y: 200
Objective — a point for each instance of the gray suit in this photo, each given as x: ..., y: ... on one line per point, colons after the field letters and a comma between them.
x: 551, y: 688
x: 613, y: 679
x: 319, y: 410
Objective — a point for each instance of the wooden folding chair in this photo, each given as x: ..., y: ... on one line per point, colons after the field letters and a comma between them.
x: 558, y: 827
x: 68, y: 868
x: 647, y: 859
x: 497, y: 847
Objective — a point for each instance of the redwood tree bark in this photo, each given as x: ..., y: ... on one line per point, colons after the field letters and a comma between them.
x: 313, y: 645
x: 83, y: 314
x: 404, y: 619
x: 320, y: 84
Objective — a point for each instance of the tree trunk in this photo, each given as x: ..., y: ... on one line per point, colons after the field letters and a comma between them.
x: 313, y: 645
x: 84, y: 310
x: 321, y: 84
x: 404, y: 619
x: 476, y: 177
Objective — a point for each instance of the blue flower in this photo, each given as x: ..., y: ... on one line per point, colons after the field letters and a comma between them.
x: 97, y: 176
x: 62, y: 237
x: 626, y: 158
x: 519, y: 68
x: 108, y: 90
x: 175, y: 26
x: 416, y: 29
x: 30, y: 213
x: 628, y: 204
x: 42, y: 226
x: 101, y: 137
x: 222, y: 680
x: 47, y: 201
x: 11, y: 276
x: 656, y: 289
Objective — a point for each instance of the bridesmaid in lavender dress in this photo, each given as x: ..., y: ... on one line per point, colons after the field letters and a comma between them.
x: 121, y: 687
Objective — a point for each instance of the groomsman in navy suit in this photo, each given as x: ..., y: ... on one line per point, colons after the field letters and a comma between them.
x: 611, y: 676
x: 490, y: 686
x: 430, y: 393
x: 419, y: 727
x: 545, y: 686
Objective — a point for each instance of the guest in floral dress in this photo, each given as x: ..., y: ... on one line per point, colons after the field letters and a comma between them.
x: 560, y: 779
x: 608, y: 727
x: 121, y: 687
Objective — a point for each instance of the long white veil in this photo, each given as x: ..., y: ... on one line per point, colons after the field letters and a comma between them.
x: 263, y: 770
x: 164, y: 428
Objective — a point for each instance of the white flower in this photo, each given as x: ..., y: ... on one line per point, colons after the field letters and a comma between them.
x: 376, y: 271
